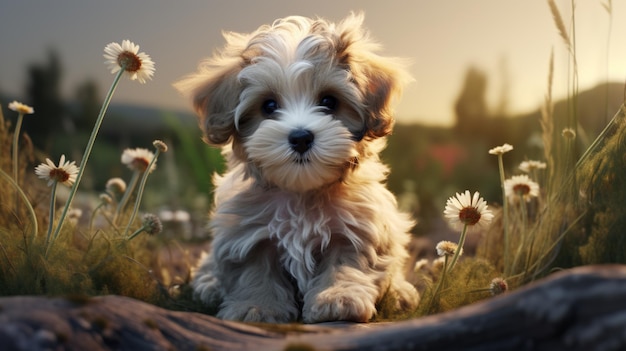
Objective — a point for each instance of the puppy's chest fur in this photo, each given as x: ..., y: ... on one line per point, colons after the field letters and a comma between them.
x: 302, y: 227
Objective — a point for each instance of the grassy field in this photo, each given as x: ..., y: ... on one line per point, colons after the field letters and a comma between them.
x: 552, y: 204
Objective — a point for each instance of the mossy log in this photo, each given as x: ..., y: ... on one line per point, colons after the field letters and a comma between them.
x: 578, y: 309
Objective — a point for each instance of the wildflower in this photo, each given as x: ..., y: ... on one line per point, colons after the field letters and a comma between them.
x: 74, y: 214
x: 569, y: 133
x: 21, y: 108
x: 498, y: 286
x: 138, y: 159
x: 464, y: 210
x: 137, y: 65
x: 116, y: 186
x: 65, y: 173
x: 499, y: 150
x: 106, y: 199
x: 152, y: 224
x: 529, y: 166
x: 447, y: 248
x: 521, y: 187
x: 122, y: 59
x: 160, y: 145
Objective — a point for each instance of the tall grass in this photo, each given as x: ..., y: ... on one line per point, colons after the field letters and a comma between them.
x: 94, y: 259
x: 578, y: 217
x: 81, y: 262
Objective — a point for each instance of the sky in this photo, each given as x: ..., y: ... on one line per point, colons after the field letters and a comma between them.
x: 510, y: 40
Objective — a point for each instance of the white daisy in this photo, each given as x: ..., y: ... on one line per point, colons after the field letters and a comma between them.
x: 529, y: 166
x: 138, y: 159
x: 138, y: 65
x: 465, y: 209
x: 21, y: 108
x: 447, y: 248
x: 520, y: 186
x: 499, y: 150
x: 65, y: 173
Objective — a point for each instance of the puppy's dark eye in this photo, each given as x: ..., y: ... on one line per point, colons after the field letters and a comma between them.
x: 269, y: 106
x: 330, y: 102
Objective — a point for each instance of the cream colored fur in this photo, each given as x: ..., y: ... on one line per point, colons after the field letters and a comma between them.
x: 307, y: 233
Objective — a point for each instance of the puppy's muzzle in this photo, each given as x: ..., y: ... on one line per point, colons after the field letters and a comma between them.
x: 301, y: 140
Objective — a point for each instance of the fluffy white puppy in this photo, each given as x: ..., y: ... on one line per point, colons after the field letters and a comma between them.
x: 303, y: 226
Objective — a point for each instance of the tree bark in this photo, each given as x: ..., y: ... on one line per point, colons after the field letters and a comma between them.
x: 578, y: 309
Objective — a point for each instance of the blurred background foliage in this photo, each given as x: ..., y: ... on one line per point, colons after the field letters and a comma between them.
x: 428, y: 163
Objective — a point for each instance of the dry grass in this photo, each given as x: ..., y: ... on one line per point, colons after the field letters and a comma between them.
x: 83, y: 261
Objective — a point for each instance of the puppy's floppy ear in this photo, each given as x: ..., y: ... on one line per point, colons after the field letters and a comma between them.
x: 380, y: 79
x: 215, y: 90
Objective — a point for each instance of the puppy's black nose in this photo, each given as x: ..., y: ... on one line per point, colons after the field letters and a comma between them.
x: 301, y: 140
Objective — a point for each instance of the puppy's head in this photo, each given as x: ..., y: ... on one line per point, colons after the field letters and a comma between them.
x: 299, y: 101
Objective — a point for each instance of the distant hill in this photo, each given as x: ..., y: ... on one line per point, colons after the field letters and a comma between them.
x: 595, y: 108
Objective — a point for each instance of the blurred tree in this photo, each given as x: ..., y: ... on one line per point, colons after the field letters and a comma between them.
x: 502, y: 106
x: 88, y: 105
x: 43, y: 91
x: 471, y: 106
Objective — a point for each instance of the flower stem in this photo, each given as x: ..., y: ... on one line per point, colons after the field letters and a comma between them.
x: 16, y: 139
x: 522, y: 232
x: 137, y: 232
x: 129, y: 191
x: 457, y: 252
x: 435, y: 295
x: 93, y: 216
x: 53, y: 197
x: 142, y: 185
x: 505, y: 215
x: 83, y: 163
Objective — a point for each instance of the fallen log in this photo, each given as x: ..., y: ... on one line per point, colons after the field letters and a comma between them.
x: 578, y: 309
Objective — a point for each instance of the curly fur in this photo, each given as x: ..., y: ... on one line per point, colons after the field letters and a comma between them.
x: 307, y: 233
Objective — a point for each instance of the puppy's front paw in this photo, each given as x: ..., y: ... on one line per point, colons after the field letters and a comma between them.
x: 207, y: 289
x: 249, y: 312
x: 339, y: 304
x: 407, y: 296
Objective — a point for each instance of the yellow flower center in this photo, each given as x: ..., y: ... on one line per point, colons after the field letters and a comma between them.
x: 129, y: 61
x: 469, y: 215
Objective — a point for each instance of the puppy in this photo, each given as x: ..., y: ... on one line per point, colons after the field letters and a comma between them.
x: 303, y: 226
